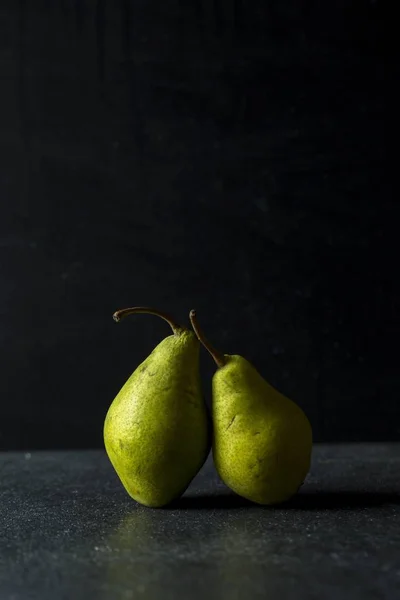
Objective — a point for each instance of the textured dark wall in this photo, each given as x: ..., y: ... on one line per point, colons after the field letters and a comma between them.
x: 194, y: 154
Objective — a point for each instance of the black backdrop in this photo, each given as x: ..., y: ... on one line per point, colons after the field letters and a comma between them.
x: 226, y: 156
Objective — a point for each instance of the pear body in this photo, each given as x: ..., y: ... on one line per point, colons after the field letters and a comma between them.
x: 262, y: 440
x: 156, y: 432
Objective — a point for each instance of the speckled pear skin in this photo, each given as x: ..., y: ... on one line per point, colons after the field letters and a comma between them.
x: 262, y: 440
x: 156, y: 431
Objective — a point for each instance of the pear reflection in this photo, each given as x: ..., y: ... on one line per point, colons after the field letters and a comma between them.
x: 156, y: 553
x: 173, y: 553
x: 132, y: 568
x: 258, y: 558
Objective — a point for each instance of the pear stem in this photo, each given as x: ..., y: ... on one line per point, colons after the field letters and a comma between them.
x: 217, y: 356
x: 121, y: 314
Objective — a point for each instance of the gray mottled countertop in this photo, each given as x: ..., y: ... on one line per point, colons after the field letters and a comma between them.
x: 69, y: 531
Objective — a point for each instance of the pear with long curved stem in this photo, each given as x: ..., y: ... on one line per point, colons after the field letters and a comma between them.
x: 262, y: 441
x: 156, y: 432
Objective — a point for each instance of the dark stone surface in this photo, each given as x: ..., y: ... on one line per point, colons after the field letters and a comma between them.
x: 68, y: 531
x: 223, y: 155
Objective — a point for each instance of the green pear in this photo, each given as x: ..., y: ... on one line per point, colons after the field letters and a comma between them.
x: 156, y: 432
x: 262, y: 441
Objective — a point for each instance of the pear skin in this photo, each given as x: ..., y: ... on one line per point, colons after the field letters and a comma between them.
x: 156, y: 432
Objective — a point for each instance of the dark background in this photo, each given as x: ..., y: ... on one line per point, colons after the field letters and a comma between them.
x: 226, y: 156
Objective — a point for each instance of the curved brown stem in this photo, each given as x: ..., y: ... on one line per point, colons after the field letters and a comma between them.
x: 120, y: 314
x: 219, y: 358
